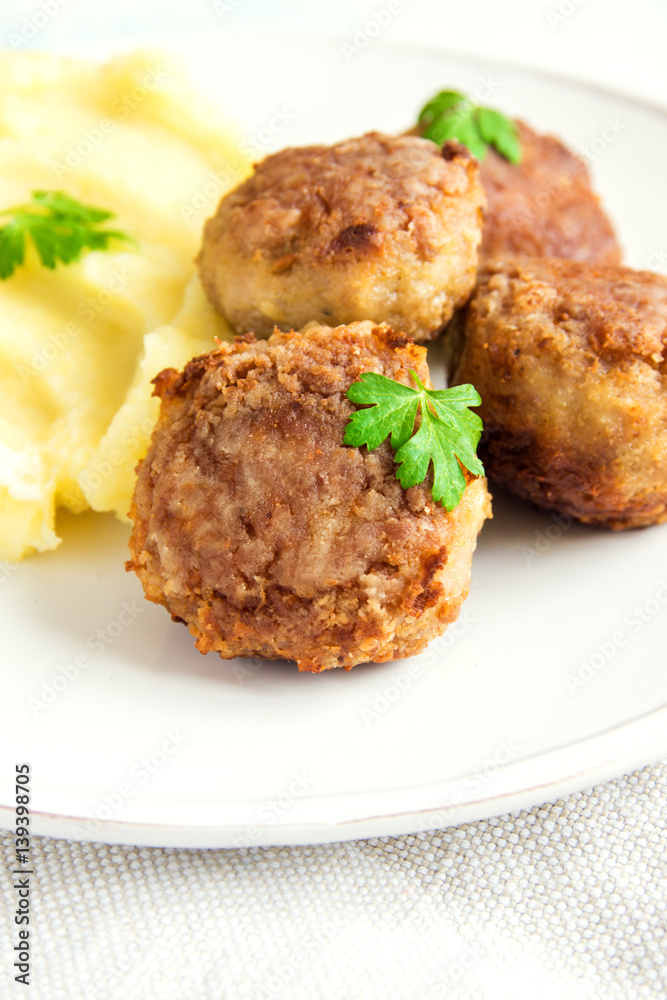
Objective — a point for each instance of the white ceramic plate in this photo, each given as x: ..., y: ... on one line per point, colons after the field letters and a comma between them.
x: 552, y: 680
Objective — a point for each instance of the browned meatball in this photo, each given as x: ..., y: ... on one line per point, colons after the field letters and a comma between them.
x: 259, y: 529
x: 380, y: 228
x: 544, y: 206
x: 570, y: 362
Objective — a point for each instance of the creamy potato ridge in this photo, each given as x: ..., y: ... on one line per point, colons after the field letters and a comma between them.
x: 80, y: 344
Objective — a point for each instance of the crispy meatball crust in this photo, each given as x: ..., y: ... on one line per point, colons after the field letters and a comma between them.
x: 570, y: 362
x: 256, y: 527
x: 377, y: 228
x: 544, y: 206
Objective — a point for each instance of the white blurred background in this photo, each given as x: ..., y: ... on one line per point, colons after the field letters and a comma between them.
x: 616, y: 43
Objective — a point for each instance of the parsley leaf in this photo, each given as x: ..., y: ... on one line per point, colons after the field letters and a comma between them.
x: 452, y: 115
x: 499, y: 132
x: 447, y: 435
x: 60, y: 229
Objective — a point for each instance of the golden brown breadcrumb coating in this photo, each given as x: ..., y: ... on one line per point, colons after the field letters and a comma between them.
x: 377, y: 228
x: 544, y: 206
x: 259, y: 529
x: 570, y: 362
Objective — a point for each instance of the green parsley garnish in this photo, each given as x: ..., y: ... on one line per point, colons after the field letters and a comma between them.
x: 452, y: 115
x: 448, y: 431
x: 59, y: 227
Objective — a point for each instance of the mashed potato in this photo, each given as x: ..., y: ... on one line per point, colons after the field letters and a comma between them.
x: 80, y: 344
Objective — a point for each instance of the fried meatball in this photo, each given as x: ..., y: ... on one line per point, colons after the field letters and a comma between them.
x: 545, y: 205
x: 377, y: 228
x: 570, y: 362
x: 256, y: 527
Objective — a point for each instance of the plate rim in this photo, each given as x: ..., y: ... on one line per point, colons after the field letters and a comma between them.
x: 511, y: 793
x: 160, y: 42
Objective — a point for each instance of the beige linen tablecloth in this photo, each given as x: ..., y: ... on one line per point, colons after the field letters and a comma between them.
x: 564, y: 902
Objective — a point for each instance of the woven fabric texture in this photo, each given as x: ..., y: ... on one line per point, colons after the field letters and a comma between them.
x: 564, y: 901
